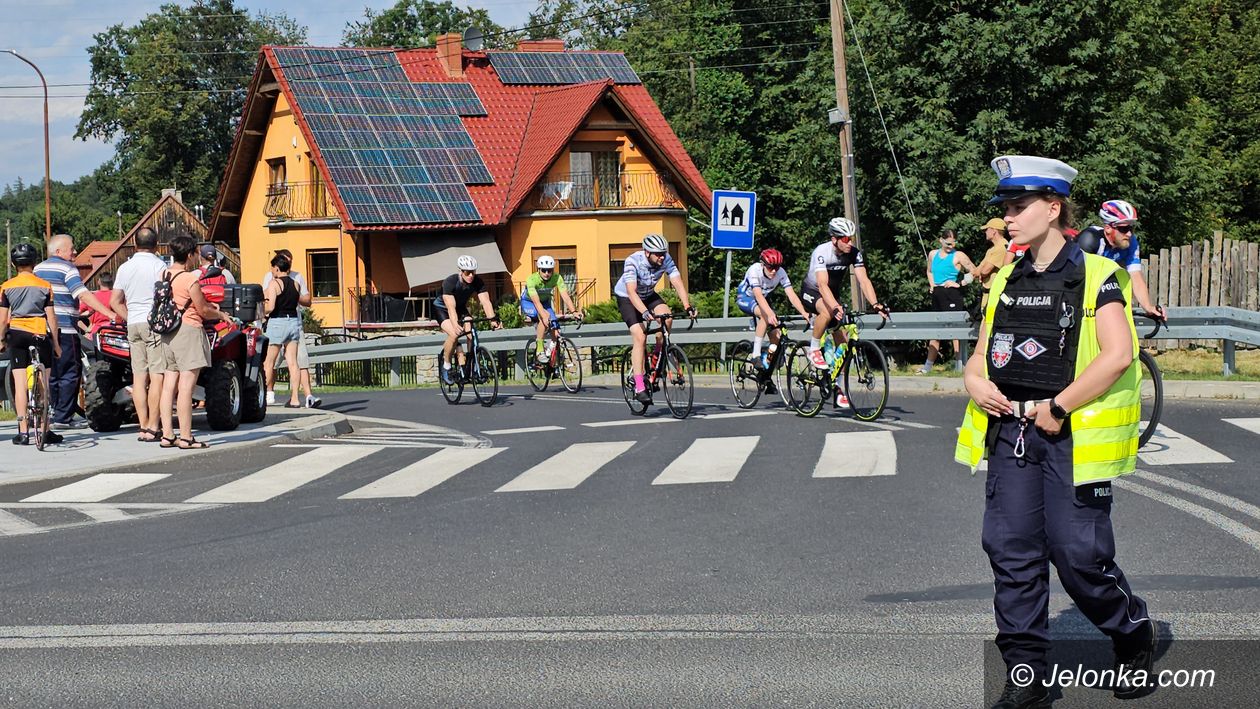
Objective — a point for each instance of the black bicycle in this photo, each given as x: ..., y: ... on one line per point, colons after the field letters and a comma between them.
x: 749, y: 379
x: 1152, y: 384
x: 561, y: 359
x: 478, y: 370
x: 666, y: 368
x: 864, y: 369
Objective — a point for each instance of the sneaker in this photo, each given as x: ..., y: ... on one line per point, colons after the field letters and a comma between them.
x: 1134, y: 655
x: 271, y: 397
x: 543, y: 356
x: 59, y: 426
x: 53, y: 439
x: 446, y: 376
x: 922, y: 370
x: 771, y: 388
x: 642, y: 396
x: 313, y: 402
x: 817, y: 359
x: 21, y: 439
x: 763, y: 361
x: 842, y: 401
x: 1034, y: 696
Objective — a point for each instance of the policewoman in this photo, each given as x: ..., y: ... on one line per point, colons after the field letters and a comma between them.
x: 1055, y: 408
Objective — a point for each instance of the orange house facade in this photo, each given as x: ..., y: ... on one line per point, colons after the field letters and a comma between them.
x: 376, y: 169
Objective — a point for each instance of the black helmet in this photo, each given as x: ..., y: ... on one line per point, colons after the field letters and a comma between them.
x: 23, y: 255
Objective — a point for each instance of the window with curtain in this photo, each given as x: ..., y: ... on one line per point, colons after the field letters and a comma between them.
x: 596, y: 177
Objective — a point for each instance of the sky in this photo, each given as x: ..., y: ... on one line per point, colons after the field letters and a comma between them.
x: 56, y: 34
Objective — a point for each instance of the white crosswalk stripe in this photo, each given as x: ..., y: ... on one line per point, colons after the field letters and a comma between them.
x: 1167, y: 447
x: 568, y: 468
x: 857, y: 454
x: 423, y: 475
x: 285, y: 476
x: 709, y: 460
x: 97, y: 488
x: 1251, y: 424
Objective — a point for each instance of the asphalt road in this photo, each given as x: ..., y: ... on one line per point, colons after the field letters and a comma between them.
x: 435, y: 557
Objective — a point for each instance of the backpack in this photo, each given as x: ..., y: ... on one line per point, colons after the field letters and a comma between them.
x: 164, y: 317
x: 213, y: 284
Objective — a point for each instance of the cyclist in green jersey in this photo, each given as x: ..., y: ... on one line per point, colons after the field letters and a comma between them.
x: 536, y: 300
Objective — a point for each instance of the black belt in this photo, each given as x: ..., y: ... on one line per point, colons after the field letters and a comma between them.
x: 282, y: 317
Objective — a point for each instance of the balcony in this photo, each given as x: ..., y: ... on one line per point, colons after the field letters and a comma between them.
x: 599, y: 191
x: 299, y: 202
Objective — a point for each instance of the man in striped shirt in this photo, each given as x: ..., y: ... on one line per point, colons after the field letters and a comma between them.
x: 68, y: 289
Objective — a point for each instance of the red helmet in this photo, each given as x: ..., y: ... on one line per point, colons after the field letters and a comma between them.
x: 772, y: 258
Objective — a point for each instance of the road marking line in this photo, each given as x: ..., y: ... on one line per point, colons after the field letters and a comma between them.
x: 382, y: 446
x: 568, y: 468
x: 286, y: 475
x: 97, y: 488
x: 914, y: 424
x: 873, y: 424
x: 733, y: 415
x: 103, y: 513
x: 709, y: 460
x: 531, y: 429
x: 631, y: 422
x: 423, y: 475
x: 1206, y: 493
x: 857, y: 454
x: 1252, y: 425
x: 1179, y: 450
x: 13, y: 524
x: 1248, y: 535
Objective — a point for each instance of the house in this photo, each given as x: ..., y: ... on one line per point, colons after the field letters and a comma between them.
x: 377, y: 168
x: 90, y: 257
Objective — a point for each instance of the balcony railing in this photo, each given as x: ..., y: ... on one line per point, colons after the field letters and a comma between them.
x: 298, y: 201
x: 585, y: 190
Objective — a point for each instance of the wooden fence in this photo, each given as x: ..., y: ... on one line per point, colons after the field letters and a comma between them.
x: 1216, y: 272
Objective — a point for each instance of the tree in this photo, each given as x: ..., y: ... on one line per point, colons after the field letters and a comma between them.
x: 168, y: 92
x: 417, y: 23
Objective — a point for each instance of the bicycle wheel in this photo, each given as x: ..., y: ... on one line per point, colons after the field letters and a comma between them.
x: 676, y: 380
x: 866, y: 380
x: 569, y: 365
x: 627, y: 386
x: 806, y: 386
x: 745, y: 375
x: 455, y: 389
x: 485, y: 378
x: 1152, y: 396
x: 537, y: 374
x: 38, y: 401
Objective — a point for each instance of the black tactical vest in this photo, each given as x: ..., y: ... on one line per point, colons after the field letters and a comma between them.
x: 1033, y: 343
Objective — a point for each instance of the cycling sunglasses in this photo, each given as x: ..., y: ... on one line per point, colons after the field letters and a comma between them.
x: 845, y: 239
x: 1123, y: 228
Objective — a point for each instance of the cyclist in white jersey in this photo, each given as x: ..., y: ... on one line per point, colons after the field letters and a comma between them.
x: 639, y: 302
x: 829, y: 267
x: 751, y: 297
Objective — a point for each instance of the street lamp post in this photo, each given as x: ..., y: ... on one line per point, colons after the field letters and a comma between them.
x: 47, y: 171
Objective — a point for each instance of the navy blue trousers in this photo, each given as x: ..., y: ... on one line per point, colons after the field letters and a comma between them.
x: 63, y: 383
x: 1034, y: 516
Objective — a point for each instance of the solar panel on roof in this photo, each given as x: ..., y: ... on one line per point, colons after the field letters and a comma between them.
x: 561, y: 67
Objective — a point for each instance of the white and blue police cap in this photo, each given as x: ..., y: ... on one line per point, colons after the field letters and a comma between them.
x: 1019, y: 175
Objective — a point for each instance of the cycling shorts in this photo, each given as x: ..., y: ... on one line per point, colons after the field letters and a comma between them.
x: 528, y: 309
x: 632, y: 317
x: 747, y: 304
x: 17, y: 344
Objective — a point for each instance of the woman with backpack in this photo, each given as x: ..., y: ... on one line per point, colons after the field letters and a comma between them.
x: 184, y: 342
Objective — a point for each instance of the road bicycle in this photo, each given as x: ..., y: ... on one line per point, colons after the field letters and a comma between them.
x: 37, y: 406
x: 667, y: 368
x: 563, y: 361
x: 862, y: 368
x: 479, y: 369
x: 1152, y: 384
x: 749, y: 380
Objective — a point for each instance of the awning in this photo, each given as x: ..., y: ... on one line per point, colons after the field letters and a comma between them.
x: 429, y: 258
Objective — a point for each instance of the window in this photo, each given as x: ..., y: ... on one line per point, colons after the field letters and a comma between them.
x: 276, y: 174
x: 320, y: 205
x: 596, y: 177
x: 566, y: 262
x: 322, y: 267
x: 618, y: 253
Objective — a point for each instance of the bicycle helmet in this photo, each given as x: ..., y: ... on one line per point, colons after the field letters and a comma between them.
x: 467, y: 263
x: 1117, y: 211
x: 841, y: 227
x: 23, y: 255
x: 772, y: 258
x: 546, y: 263
x: 655, y: 243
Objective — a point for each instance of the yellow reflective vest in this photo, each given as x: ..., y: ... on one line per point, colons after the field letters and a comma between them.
x: 1104, y: 431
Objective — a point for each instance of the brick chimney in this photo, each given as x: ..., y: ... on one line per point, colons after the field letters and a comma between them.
x: 540, y: 45
x: 450, y: 48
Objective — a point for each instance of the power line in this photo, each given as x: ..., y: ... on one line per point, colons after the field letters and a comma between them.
x: 725, y: 66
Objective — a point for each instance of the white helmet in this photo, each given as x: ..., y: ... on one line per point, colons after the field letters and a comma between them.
x: 546, y: 263
x: 467, y: 263
x: 655, y: 243
x: 841, y: 227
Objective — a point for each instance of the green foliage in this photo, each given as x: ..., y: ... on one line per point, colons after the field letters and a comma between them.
x: 509, y: 312
x: 78, y: 209
x: 417, y: 23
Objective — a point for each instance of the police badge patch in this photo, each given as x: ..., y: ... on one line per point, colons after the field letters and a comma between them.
x: 1003, y: 168
x: 1030, y: 348
x: 1000, y: 349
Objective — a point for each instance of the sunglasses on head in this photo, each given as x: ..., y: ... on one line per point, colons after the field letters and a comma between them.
x: 1123, y: 228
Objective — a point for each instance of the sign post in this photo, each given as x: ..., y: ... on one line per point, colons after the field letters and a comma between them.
x: 734, y: 214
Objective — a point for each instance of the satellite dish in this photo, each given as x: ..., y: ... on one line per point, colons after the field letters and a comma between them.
x: 474, y: 40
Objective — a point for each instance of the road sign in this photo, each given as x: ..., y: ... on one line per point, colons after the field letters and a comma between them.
x: 734, y: 214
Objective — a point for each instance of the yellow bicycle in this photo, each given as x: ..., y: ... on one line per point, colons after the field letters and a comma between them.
x: 37, y: 408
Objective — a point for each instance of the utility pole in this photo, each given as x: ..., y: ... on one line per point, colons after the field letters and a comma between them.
x: 47, y: 172
x: 8, y: 249
x: 120, y: 231
x: 840, y: 116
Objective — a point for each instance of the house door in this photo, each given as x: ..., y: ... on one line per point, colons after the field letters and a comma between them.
x: 596, y: 177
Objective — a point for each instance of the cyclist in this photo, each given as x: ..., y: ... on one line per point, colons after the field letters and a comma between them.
x: 452, y: 308
x: 759, y: 282
x: 27, y: 318
x: 1116, y: 240
x: 536, y: 301
x: 639, y: 302
x: 828, y: 267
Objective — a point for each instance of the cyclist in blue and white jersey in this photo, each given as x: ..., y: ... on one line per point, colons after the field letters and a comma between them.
x: 827, y: 278
x: 759, y: 282
x: 639, y: 302
x: 1116, y: 240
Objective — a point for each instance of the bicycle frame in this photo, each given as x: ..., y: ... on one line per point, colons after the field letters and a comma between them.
x: 557, y: 336
x: 657, y: 368
x: 470, y: 367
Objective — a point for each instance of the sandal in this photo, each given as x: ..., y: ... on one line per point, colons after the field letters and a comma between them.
x: 167, y: 442
x: 156, y: 436
x: 193, y: 444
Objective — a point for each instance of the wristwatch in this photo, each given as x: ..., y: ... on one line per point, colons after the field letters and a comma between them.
x: 1057, y: 411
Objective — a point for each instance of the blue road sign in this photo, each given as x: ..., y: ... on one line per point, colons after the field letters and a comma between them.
x: 734, y: 214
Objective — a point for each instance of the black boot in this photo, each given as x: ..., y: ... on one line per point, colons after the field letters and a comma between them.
x: 1135, y: 662
x: 1034, y: 696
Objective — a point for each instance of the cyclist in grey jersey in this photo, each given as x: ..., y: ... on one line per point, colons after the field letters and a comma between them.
x: 639, y: 302
x: 828, y: 266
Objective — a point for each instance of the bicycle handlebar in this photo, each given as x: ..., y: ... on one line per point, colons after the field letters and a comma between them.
x: 661, y: 318
x: 1159, y: 322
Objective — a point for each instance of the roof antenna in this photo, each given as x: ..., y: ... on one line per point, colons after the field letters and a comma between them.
x: 474, y: 40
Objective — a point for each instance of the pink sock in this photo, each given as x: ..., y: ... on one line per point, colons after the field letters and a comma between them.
x: 638, y: 382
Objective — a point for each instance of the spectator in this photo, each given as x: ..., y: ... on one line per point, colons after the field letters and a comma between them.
x: 68, y: 290
x: 210, y: 276
x: 284, y: 325
x: 132, y: 299
x: 943, y: 266
x: 95, y: 320
x: 227, y: 272
x: 994, y: 259
x: 186, y: 350
x: 303, y: 357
